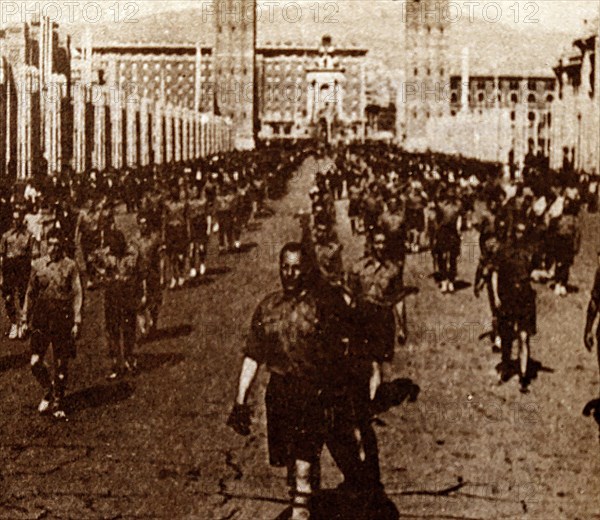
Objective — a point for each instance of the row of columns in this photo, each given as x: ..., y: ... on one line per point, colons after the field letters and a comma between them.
x: 114, y: 131
x: 108, y: 131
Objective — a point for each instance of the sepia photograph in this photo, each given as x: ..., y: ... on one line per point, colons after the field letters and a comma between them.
x: 299, y: 259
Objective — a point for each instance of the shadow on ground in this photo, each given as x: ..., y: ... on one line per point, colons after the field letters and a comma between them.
x: 592, y: 408
x: 174, y: 332
x: 13, y: 362
x: 149, y: 361
x: 216, y: 271
x: 334, y: 504
x: 99, y: 395
x: 394, y: 394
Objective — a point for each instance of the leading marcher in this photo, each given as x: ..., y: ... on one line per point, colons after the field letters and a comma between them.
x: 54, y: 300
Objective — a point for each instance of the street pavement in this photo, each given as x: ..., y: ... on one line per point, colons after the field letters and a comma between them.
x: 156, y: 446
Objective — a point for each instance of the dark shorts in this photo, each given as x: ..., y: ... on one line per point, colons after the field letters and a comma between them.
x: 354, y: 208
x: 518, y: 311
x: 447, y: 241
x: 15, y: 275
x: 52, y: 323
x: 415, y: 219
x: 199, y: 229
x: 295, y: 421
x: 378, y: 331
x: 564, y: 249
x: 120, y: 314
x: 177, y: 240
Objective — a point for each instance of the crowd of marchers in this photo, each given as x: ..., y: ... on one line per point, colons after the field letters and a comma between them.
x: 326, y: 334
x: 129, y: 236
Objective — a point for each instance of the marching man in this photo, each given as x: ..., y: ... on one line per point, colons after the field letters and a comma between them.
x: 54, y: 300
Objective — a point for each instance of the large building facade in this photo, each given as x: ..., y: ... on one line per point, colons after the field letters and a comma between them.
x: 61, y: 114
x: 310, y: 91
x: 301, y: 91
x: 576, y: 109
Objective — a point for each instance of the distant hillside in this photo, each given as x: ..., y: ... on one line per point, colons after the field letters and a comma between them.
x: 495, y: 48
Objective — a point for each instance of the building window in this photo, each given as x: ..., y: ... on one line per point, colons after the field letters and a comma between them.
x: 531, y: 116
x: 532, y: 84
x: 481, y: 85
x: 442, y: 71
x: 514, y: 85
x: 416, y: 72
x: 513, y: 115
x: 550, y: 98
x: 514, y: 98
x: 531, y: 98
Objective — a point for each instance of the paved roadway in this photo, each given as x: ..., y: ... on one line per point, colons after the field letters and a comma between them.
x: 156, y: 446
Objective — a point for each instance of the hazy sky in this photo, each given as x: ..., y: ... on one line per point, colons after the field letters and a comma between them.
x: 565, y: 15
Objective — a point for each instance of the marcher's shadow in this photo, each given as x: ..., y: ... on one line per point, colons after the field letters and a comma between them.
x: 97, y: 396
x: 593, y: 408
x: 13, y: 362
x: 149, y: 361
x: 533, y: 369
x: 167, y: 333
x: 200, y: 281
x: 394, y: 393
x: 335, y: 504
x: 461, y: 285
x: 216, y: 271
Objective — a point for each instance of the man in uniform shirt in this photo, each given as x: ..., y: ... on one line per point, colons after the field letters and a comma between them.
x: 16, y: 247
x: 118, y: 265
x: 515, y: 300
x: 376, y: 284
x: 287, y: 335
x: 175, y: 235
x: 225, y: 203
x: 449, y: 224
x: 393, y: 223
x: 324, y: 251
x: 54, y: 300
x: 151, y: 250
x: 488, y: 227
